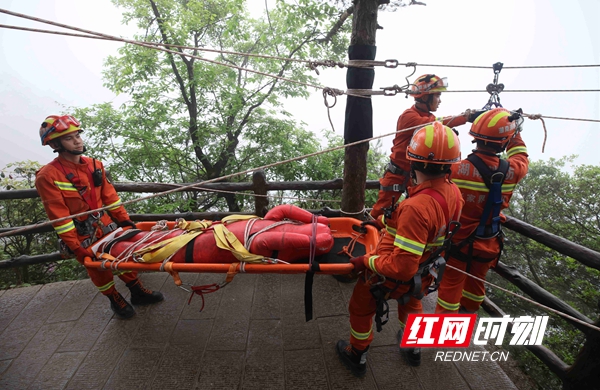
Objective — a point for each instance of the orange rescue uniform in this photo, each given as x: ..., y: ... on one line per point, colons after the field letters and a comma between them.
x: 416, y: 228
x: 412, y: 117
x: 457, y: 289
x: 61, y: 199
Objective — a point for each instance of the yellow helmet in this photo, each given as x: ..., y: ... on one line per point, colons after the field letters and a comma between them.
x: 56, y: 126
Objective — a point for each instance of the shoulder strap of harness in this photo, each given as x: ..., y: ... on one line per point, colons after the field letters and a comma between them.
x: 493, y: 181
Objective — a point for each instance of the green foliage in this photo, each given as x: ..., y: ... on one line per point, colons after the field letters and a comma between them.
x: 564, y: 202
x: 190, y: 120
x: 20, y: 212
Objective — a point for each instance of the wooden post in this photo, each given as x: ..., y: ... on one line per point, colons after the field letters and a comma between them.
x: 261, y: 203
x: 359, y: 124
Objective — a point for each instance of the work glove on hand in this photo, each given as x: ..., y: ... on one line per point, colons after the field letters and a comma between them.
x: 359, y: 264
x: 473, y: 114
x: 128, y: 223
x: 376, y: 223
x: 82, y: 252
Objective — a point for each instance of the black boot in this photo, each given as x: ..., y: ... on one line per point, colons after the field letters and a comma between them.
x: 120, y: 306
x: 140, y: 295
x: 353, y: 359
x: 413, y: 355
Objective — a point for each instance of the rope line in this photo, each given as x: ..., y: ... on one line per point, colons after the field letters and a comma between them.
x: 528, y: 300
x: 527, y: 90
x: 152, y: 46
x: 312, y: 64
x: 195, y: 185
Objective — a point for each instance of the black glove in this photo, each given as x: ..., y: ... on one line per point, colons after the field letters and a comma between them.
x: 127, y: 223
x: 474, y: 114
x: 375, y: 223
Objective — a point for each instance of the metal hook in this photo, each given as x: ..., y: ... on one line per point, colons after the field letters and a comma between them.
x: 414, y: 65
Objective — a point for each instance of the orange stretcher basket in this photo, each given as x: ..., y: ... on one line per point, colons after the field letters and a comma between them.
x: 349, y: 240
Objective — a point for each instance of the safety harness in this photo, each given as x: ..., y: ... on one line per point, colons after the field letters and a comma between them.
x: 493, y: 180
x: 86, y: 227
x: 434, y: 265
x: 395, y: 169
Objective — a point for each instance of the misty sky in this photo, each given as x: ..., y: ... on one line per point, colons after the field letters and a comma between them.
x: 44, y: 74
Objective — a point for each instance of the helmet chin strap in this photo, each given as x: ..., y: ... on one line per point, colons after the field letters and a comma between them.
x: 73, y: 152
x: 425, y: 102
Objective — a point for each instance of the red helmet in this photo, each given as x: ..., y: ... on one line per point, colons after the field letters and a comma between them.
x: 435, y: 144
x: 494, y: 126
x: 56, y: 126
x: 427, y: 84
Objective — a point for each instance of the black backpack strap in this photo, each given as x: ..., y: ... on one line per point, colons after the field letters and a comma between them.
x: 493, y: 181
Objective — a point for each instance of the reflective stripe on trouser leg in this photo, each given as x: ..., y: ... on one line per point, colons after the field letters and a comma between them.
x: 105, y: 289
x: 362, y: 308
x: 474, y: 290
x: 103, y: 279
x: 128, y: 276
x: 450, y: 290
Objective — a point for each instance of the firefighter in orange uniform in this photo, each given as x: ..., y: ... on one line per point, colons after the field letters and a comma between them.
x: 414, y: 230
x: 486, y: 182
x: 72, y: 184
x: 427, y: 92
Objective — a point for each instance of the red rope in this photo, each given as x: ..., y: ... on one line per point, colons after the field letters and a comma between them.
x: 204, y: 289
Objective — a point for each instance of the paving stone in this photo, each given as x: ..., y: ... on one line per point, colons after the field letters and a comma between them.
x: 211, y: 301
x: 328, y: 299
x: 25, y: 325
x: 292, y: 295
x: 264, y: 369
x: 98, y: 365
x: 234, y: 315
x: 267, y: 297
x: 192, y: 333
x: 299, y: 334
x: 432, y: 373
x: 179, y: 368
x: 25, y: 368
x: 160, y: 318
x: 305, y: 369
x: 13, y: 301
x: 57, y: 372
x: 89, y: 326
x: 75, y: 303
x: 484, y: 375
x: 221, y: 370
x: 4, y: 365
x: 135, y: 369
x: 333, y: 329
x: 390, y: 370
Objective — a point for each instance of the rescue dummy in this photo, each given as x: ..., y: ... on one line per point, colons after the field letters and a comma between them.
x: 284, y: 233
x: 72, y: 184
x: 414, y: 231
x: 427, y: 91
x: 486, y: 182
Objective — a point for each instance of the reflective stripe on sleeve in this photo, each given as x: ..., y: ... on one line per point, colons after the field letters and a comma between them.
x: 516, y: 150
x: 409, y: 245
x: 64, y: 186
x: 62, y: 229
x: 114, y: 206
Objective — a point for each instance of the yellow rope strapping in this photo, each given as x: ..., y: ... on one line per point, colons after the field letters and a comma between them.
x: 225, y: 239
x: 237, y: 217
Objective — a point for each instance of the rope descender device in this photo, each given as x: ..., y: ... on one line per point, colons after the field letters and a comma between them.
x: 495, y: 88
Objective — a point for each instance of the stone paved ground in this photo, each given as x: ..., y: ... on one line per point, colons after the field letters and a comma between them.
x: 251, y: 335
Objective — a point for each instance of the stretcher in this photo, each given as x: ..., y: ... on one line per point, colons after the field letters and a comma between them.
x: 289, y: 240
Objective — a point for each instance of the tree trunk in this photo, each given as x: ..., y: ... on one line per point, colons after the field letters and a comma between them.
x: 362, y: 46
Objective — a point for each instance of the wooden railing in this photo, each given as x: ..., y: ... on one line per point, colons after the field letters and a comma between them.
x: 582, y: 374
